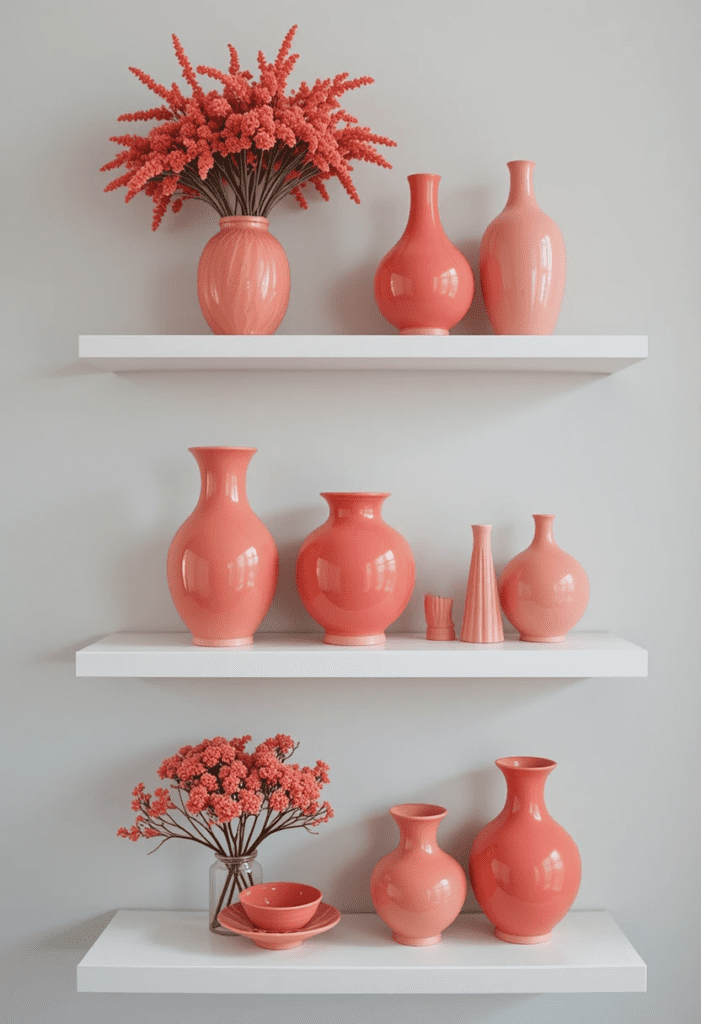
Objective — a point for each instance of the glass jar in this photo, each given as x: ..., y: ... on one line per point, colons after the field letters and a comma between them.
x: 227, y: 877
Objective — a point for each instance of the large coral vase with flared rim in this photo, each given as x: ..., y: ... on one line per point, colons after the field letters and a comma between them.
x: 243, y: 278
x: 222, y: 562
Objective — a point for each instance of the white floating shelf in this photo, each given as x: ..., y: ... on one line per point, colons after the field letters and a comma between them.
x: 403, y: 655
x: 173, y: 951
x: 563, y: 353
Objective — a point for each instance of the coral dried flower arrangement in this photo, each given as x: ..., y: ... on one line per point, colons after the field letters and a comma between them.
x: 243, y: 148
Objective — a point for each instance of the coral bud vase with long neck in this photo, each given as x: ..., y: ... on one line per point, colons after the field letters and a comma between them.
x: 222, y: 562
x: 424, y: 285
x: 481, y: 622
x: 522, y: 262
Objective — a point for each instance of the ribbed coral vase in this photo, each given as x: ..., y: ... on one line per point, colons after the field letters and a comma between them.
x: 522, y: 262
x: 222, y: 562
x: 543, y: 591
x: 243, y: 278
x: 355, y: 573
x: 424, y: 285
x: 418, y: 889
x: 524, y: 868
x: 439, y: 617
x: 481, y: 622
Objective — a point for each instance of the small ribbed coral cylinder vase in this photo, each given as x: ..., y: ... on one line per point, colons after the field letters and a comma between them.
x: 481, y: 622
x: 243, y: 278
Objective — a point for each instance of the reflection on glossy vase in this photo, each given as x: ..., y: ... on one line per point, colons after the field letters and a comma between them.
x: 424, y: 285
x: 243, y: 278
x: 543, y: 591
x: 222, y: 562
x: 524, y: 868
x: 522, y: 262
x: 418, y: 889
x: 355, y: 573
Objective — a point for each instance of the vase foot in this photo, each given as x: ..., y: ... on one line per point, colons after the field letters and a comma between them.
x: 409, y: 940
x: 239, y: 641
x: 354, y: 641
x: 424, y: 330
x: 522, y: 940
x: 440, y: 633
x: 541, y: 639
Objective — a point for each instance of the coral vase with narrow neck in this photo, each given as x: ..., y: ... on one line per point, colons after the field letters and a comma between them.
x: 524, y: 867
x: 481, y: 622
x: 418, y: 889
x: 522, y: 262
x: 355, y: 573
x: 424, y: 285
x: 222, y: 562
x: 243, y: 278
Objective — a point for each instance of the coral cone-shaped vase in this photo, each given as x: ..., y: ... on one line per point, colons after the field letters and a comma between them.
x: 522, y: 262
x: 223, y: 562
x: 481, y: 622
x: 355, y: 574
x: 243, y: 278
x: 418, y: 889
x: 524, y: 867
x: 424, y: 285
x: 543, y: 591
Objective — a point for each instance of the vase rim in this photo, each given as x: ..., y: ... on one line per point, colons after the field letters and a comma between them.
x: 240, y: 860
x: 220, y: 448
x: 515, y: 163
x: 543, y: 515
x: 421, y: 174
x: 526, y: 763
x: 243, y: 216
x: 418, y: 812
x: 355, y: 494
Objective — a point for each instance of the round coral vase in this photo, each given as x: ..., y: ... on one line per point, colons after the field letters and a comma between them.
x: 418, y: 889
x: 424, y: 285
x: 355, y: 573
x: 243, y: 278
x: 522, y: 261
x: 222, y: 562
x: 524, y: 868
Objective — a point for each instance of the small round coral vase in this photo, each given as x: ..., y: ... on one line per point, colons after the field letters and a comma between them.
x: 243, y: 278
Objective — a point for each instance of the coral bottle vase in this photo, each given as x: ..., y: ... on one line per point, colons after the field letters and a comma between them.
x: 424, y: 285
x: 543, y: 591
x: 522, y: 262
x: 524, y: 867
x: 355, y: 573
x: 418, y: 889
x: 481, y: 622
x: 243, y: 278
x: 222, y: 562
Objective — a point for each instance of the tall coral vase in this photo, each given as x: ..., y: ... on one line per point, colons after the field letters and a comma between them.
x: 522, y: 262
x: 524, y: 868
x: 243, y: 278
x: 481, y: 622
x: 222, y: 562
x: 418, y: 889
x: 424, y: 285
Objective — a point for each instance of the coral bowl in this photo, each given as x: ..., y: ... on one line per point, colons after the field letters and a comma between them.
x: 280, y: 906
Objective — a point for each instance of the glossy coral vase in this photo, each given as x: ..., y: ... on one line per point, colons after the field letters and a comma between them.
x: 243, y: 278
x: 522, y: 262
x: 543, y: 591
x: 355, y: 573
x: 424, y: 285
x: 481, y: 622
x: 418, y: 889
x: 524, y: 868
x: 222, y: 562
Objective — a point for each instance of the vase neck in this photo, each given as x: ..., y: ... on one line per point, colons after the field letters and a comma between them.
x: 355, y: 504
x: 543, y: 530
x: 236, y: 862
x: 525, y: 785
x: 423, y: 211
x: 521, y: 190
x: 418, y: 825
x: 223, y: 473
x: 482, y: 537
x: 243, y: 221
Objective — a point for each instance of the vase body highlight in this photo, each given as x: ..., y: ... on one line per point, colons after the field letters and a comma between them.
x: 522, y: 262
x: 418, y: 889
x: 243, y: 278
x: 424, y: 285
x: 543, y: 591
x: 481, y: 622
x: 228, y: 876
x: 355, y: 573
x: 222, y: 562
x: 524, y: 868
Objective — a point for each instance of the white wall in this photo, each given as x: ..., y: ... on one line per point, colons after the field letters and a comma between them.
x: 603, y: 96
